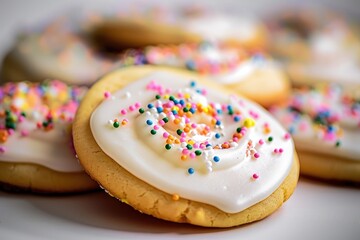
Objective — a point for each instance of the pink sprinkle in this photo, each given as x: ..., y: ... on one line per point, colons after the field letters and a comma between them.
x: 196, y: 145
x: 187, y: 120
x: 276, y: 150
x: 182, y: 139
x: 193, y: 125
x: 235, y: 139
x: 11, y: 131
x: 156, y: 127
x: 256, y: 155
x: 183, y: 134
x: 21, y: 118
x: 185, y: 151
x: 202, y: 146
x: 107, y: 94
x: 161, y: 122
x: 123, y: 111
x: 24, y: 133
x: 165, y: 135
x: 287, y: 136
x: 207, y: 128
x: 2, y: 149
x: 137, y: 104
x: 255, y: 176
x: 192, y: 155
x: 281, y: 150
x: 180, y: 95
x: 261, y: 142
x: 132, y: 108
x: 204, y: 92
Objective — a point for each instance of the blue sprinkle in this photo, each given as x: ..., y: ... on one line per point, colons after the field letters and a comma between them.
x: 198, y: 90
x: 291, y: 130
x: 159, y: 109
x: 174, y: 112
x: 176, y: 101
x: 216, y: 159
x: 192, y: 84
x: 219, y: 111
x: 217, y: 135
x: 150, y: 105
x: 191, y: 170
x: 192, y: 110
x: 236, y: 118
x: 208, y: 145
x: 182, y: 102
x: 218, y: 122
x: 149, y: 122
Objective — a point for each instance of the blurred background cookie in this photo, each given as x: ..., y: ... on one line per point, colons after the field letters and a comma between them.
x: 183, y: 25
x: 325, y: 123
x: 36, y: 152
x: 58, y: 50
x: 252, y: 74
x: 317, y: 46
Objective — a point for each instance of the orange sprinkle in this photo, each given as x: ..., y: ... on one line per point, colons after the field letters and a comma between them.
x: 123, y: 122
x: 186, y: 129
x: 176, y: 121
x: 177, y: 141
x: 183, y: 157
x: 3, y: 135
x: 175, y: 197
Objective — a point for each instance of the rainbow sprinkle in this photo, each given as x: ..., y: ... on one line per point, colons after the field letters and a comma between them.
x: 36, y: 107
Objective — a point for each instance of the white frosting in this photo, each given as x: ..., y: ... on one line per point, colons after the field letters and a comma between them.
x: 217, y: 27
x: 227, y: 184
x: 310, y: 136
x: 49, y: 149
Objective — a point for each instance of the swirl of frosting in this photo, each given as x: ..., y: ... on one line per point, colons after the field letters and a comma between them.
x: 35, y: 124
x: 194, y: 142
x: 323, y: 119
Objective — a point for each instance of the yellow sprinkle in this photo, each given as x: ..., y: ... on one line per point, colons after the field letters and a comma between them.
x: 166, y: 96
x: 249, y: 122
x: 187, y: 95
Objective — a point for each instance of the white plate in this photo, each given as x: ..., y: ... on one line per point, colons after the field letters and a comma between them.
x: 316, y: 211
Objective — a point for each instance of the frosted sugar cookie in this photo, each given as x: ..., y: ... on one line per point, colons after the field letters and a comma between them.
x: 325, y: 123
x: 36, y: 152
x: 317, y: 47
x: 252, y: 75
x: 172, y: 145
x: 57, y: 51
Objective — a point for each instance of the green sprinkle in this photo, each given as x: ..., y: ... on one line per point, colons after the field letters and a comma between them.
x: 116, y: 124
x: 338, y: 143
x: 141, y: 110
x: 238, y: 130
x: 157, y: 96
x: 168, y: 146
x: 165, y: 119
x: 189, y: 147
x: 185, y: 109
x: 198, y: 152
x: 153, y: 132
x: 179, y: 132
x: 270, y: 139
